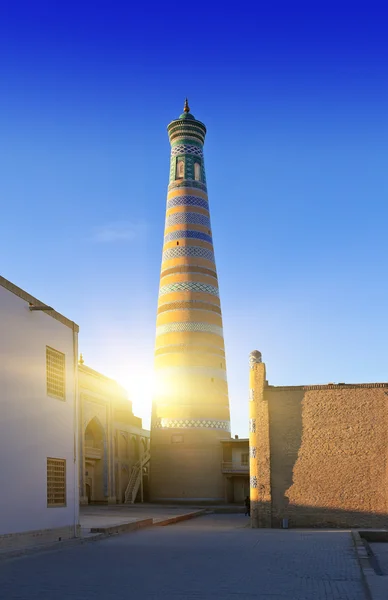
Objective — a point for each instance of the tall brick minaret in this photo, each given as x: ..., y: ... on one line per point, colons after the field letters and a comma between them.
x: 190, y: 413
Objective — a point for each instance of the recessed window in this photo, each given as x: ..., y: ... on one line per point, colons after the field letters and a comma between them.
x: 177, y: 243
x: 197, y: 171
x: 55, y: 373
x: 56, y: 482
x: 180, y: 169
x: 245, y: 459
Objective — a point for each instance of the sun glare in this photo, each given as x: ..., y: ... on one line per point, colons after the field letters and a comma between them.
x: 140, y: 387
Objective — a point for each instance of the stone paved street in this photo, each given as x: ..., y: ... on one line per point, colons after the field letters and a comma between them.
x: 215, y: 557
x: 380, y: 550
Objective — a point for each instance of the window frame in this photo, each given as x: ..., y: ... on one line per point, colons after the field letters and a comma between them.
x: 244, y: 459
x: 49, y: 392
x: 50, y: 495
x: 178, y: 160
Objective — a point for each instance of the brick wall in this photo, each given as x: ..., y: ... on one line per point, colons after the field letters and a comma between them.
x: 328, y: 454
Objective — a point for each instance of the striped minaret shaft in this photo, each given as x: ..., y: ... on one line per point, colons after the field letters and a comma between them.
x: 190, y: 413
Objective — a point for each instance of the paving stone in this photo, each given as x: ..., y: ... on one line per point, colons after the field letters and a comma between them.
x: 209, y: 558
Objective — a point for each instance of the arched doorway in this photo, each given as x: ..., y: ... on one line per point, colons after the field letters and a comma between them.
x: 94, y: 461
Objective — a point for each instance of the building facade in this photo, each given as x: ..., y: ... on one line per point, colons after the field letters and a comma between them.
x: 39, y: 500
x: 318, y: 453
x: 235, y: 468
x: 113, y: 444
x: 190, y: 413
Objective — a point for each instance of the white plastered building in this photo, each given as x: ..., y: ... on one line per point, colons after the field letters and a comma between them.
x: 39, y: 499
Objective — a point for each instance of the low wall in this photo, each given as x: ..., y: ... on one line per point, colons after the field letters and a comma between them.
x: 19, y: 541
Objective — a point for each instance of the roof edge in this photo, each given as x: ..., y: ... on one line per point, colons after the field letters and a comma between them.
x: 89, y: 371
x: 328, y: 386
x: 11, y: 287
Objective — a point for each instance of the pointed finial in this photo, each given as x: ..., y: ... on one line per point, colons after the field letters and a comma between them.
x: 186, y: 107
x: 81, y: 359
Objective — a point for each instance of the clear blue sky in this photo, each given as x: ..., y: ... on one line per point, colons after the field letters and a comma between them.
x: 294, y: 96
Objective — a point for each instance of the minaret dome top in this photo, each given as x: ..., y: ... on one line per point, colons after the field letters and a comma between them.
x: 186, y: 128
x: 186, y: 112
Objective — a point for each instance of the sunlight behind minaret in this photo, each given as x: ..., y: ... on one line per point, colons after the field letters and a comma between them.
x: 140, y: 388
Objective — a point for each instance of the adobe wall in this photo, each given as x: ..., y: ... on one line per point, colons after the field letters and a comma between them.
x: 328, y: 455
x: 186, y: 465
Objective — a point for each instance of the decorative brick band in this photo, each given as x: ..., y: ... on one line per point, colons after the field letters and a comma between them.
x: 187, y: 234
x: 187, y: 201
x: 188, y: 326
x: 190, y: 424
x: 190, y: 349
x: 186, y: 149
x: 187, y: 183
x: 192, y: 304
x: 189, y: 286
x: 187, y: 218
x: 192, y: 370
x: 186, y: 269
x: 188, y: 252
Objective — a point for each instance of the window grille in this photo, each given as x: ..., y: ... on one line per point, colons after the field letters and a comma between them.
x: 55, y: 371
x: 245, y: 459
x: 180, y: 169
x: 56, y: 482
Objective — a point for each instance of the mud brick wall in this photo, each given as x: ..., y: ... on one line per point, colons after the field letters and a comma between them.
x: 328, y: 455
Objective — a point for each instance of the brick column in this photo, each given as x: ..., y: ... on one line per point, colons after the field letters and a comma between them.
x: 259, y: 447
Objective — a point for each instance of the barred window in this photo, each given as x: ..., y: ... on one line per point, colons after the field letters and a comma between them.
x: 56, y: 482
x: 180, y: 168
x: 55, y: 371
x: 244, y: 459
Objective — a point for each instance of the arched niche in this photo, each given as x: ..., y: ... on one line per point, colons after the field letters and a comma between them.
x: 95, y: 460
x: 94, y: 434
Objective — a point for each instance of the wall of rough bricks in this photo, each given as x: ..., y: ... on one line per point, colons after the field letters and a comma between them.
x: 328, y: 454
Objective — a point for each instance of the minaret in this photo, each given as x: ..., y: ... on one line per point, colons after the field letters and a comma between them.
x: 190, y: 413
